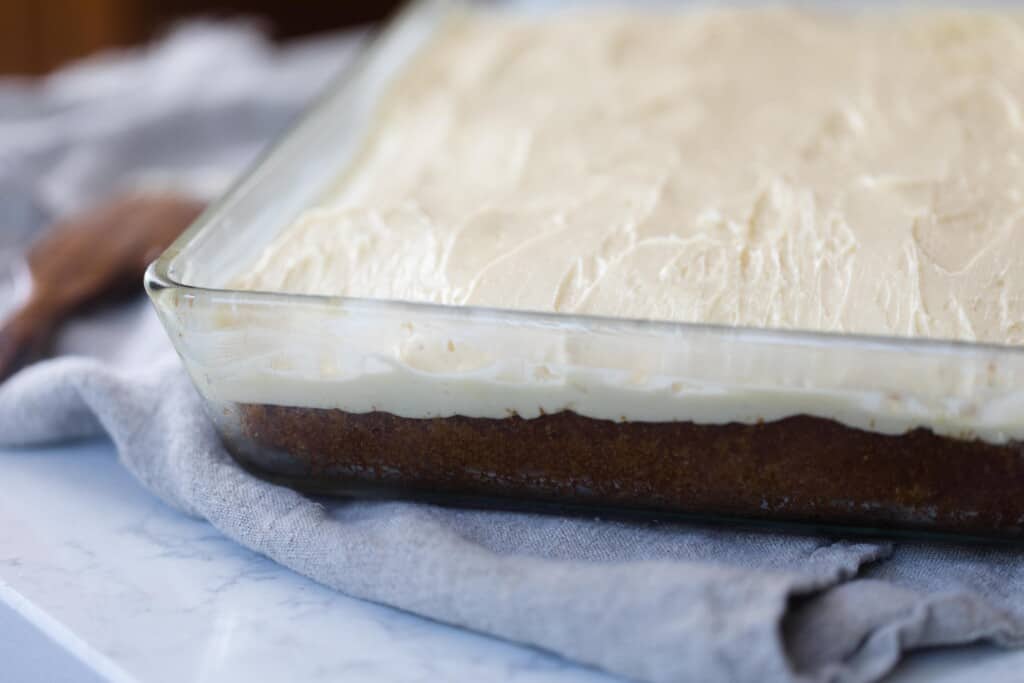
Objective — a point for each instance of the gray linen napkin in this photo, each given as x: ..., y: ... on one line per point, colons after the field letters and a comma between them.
x: 654, y: 602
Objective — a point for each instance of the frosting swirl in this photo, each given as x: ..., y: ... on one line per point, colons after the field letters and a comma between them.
x: 768, y: 167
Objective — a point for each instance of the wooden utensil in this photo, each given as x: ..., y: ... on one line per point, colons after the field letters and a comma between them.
x: 93, y: 256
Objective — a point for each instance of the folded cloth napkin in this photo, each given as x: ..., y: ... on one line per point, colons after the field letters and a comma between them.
x: 653, y: 602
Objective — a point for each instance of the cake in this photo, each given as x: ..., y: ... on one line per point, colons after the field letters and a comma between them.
x: 838, y: 173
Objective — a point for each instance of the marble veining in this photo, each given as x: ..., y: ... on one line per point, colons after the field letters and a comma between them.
x: 143, y: 593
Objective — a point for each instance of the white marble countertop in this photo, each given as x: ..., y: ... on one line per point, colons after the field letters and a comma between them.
x: 98, y: 580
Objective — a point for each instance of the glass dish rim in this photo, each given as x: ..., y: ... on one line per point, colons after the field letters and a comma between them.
x: 158, y: 275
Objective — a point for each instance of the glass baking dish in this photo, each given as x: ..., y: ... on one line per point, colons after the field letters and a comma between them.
x: 326, y: 394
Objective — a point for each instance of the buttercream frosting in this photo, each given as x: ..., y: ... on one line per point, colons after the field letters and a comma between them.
x: 766, y: 168
x: 762, y: 167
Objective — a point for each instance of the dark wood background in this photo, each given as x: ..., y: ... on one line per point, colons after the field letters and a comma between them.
x: 39, y: 35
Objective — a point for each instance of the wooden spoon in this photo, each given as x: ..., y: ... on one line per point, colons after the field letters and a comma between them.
x: 98, y: 254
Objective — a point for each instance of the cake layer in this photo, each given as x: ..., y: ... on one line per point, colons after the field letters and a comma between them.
x: 801, y: 469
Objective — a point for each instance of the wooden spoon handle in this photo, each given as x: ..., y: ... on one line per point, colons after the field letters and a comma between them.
x: 97, y: 254
x: 23, y: 339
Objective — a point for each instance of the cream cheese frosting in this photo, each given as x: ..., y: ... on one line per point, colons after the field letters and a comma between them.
x: 761, y: 167
x: 771, y: 167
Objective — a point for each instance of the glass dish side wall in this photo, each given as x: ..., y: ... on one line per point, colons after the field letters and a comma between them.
x: 255, y: 372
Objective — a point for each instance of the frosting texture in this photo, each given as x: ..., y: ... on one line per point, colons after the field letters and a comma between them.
x: 766, y: 167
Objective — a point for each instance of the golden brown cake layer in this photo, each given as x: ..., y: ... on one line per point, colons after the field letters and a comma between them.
x: 798, y: 469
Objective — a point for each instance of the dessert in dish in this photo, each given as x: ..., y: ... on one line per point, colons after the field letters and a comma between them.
x: 764, y: 168
x: 776, y: 169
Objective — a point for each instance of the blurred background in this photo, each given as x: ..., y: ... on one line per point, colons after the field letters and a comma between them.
x: 106, y: 98
x: 37, y: 36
